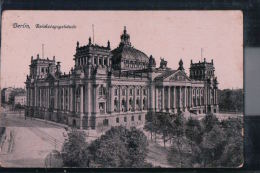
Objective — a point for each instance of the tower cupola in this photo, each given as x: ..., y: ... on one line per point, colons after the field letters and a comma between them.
x: 125, y: 38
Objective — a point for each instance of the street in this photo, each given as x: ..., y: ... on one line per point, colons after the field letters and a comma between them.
x: 27, y: 142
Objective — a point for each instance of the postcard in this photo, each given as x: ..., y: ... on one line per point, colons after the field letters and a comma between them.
x: 121, y: 89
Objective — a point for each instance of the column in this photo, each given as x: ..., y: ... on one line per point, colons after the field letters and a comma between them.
x: 81, y: 99
x: 88, y: 98
x: 94, y: 99
x: 163, y: 107
x: 134, y: 101
x: 127, y: 97
x: 174, y: 98
x: 184, y: 97
x: 70, y: 98
x: 171, y: 97
x: 27, y: 97
x: 74, y: 98
x: 156, y: 99
x: 112, y: 99
x: 119, y: 98
x: 48, y: 97
x: 63, y: 98
x: 35, y: 96
x: 191, y: 97
x: 200, y: 97
x: 141, y: 98
x: 168, y: 98
x: 180, y: 97
x: 40, y: 96
x: 196, y: 103
x: 216, y: 96
x: 151, y: 99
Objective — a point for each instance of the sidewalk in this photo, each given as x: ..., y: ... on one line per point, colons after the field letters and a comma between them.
x: 49, y: 122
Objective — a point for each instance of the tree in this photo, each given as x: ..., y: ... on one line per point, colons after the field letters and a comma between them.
x: 120, y: 147
x: 152, y: 124
x: 110, y: 149
x: 233, y: 154
x: 74, y: 150
x: 193, y: 130
x: 231, y: 100
x: 209, y: 121
x: 164, y: 126
x: 178, y: 135
x: 212, y: 146
x: 137, y: 148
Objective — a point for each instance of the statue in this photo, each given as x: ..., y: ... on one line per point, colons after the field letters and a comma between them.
x: 152, y: 62
x: 180, y: 65
x: 163, y: 63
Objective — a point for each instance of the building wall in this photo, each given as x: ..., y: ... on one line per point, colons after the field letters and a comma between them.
x: 20, y: 100
x: 99, y: 104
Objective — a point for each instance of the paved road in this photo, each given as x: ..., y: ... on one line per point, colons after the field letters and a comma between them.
x: 31, y: 140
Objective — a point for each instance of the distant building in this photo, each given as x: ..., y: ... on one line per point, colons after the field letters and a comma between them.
x: 20, y: 99
x: 6, y: 94
x: 116, y: 87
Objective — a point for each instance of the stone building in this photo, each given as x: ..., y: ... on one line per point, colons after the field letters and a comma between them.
x: 6, y: 94
x: 116, y: 87
x: 20, y: 99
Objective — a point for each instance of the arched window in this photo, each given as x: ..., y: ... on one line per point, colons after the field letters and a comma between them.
x: 138, y: 92
x: 137, y: 103
x: 130, y: 104
x: 123, y: 105
x: 102, y: 90
x: 144, y: 104
x: 115, y: 105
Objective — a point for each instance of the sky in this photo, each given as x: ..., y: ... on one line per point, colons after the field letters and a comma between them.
x: 172, y: 35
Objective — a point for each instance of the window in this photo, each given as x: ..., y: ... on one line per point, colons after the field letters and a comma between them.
x: 102, y: 90
x: 102, y: 107
x: 105, y: 62
x: 132, y: 118
x: 123, y: 92
x: 42, y: 70
x: 95, y: 60
x: 115, y: 92
x: 131, y: 92
x: 105, y: 122
x: 139, y: 117
x: 117, y: 120
x: 100, y: 61
x: 115, y: 104
x: 125, y: 119
x: 137, y: 101
x: 144, y: 92
x: 144, y: 103
x: 138, y: 92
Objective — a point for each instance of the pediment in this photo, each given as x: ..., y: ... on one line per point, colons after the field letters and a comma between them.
x: 178, y: 76
x: 50, y: 77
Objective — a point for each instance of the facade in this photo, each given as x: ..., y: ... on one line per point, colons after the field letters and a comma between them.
x: 6, y: 94
x: 116, y: 87
x: 20, y: 99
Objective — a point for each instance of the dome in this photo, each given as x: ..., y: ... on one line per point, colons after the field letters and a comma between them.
x: 128, y: 54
